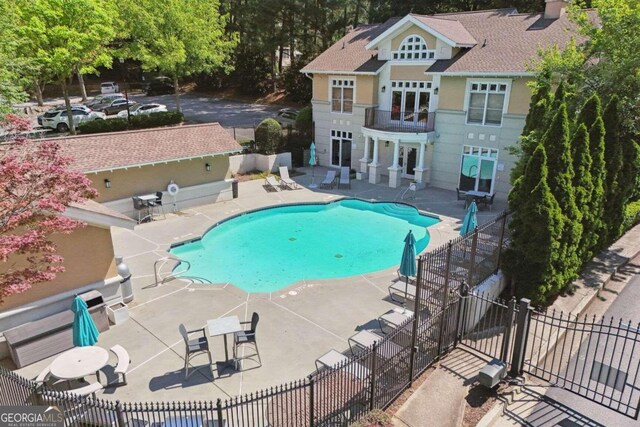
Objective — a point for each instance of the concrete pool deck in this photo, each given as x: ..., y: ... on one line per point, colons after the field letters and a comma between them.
x: 297, y: 324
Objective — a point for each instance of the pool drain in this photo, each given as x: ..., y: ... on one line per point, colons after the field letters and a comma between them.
x: 292, y: 239
x: 338, y: 255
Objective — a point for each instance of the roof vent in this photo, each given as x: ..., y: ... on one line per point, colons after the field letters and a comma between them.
x: 554, y: 9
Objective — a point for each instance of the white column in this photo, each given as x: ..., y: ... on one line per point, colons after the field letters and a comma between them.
x: 365, y: 157
x: 375, y: 151
x: 421, y: 156
x: 396, y: 154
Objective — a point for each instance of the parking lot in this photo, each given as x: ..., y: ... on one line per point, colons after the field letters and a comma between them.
x: 196, y: 108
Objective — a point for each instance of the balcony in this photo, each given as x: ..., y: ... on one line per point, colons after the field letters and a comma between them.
x: 394, y: 121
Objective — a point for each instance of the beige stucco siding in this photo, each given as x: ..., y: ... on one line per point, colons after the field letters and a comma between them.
x: 152, y: 178
x: 520, y: 96
x: 413, y: 30
x: 320, y: 87
x: 80, y: 269
x: 367, y: 90
x: 409, y: 72
x: 452, y: 93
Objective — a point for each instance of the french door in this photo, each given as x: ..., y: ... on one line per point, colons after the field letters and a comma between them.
x: 408, y: 156
x: 341, y: 148
x: 410, y: 102
x: 478, y: 169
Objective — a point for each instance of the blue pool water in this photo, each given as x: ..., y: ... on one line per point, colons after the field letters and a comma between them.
x: 269, y: 249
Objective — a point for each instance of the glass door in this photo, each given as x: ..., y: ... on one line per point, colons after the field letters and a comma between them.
x: 410, y: 106
x: 408, y: 156
x: 478, y: 169
x: 345, y: 153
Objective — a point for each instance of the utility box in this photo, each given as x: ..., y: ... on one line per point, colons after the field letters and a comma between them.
x: 492, y: 373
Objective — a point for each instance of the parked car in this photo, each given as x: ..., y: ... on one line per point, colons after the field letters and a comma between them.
x: 58, y: 119
x: 98, y: 99
x: 109, y: 87
x: 114, y: 106
x: 160, y: 86
x: 64, y: 107
x: 139, y: 109
x: 287, y: 117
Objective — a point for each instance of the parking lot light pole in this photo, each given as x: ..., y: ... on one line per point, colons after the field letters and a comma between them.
x: 126, y: 95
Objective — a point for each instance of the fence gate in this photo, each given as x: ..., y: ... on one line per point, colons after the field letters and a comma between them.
x: 596, y: 359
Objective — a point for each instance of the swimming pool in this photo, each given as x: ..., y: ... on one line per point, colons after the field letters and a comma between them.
x: 268, y: 249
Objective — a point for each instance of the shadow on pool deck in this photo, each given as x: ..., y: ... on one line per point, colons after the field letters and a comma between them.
x: 297, y: 324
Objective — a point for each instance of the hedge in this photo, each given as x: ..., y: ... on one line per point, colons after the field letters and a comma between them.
x: 144, y: 121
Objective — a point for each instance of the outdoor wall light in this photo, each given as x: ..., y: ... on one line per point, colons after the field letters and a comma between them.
x: 435, y: 91
x: 107, y: 183
x: 384, y: 89
x: 386, y: 144
x: 207, y: 166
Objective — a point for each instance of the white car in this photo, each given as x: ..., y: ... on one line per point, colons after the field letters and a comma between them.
x: 109, y: 87
x: 58, y: 119
x: 139, y: 109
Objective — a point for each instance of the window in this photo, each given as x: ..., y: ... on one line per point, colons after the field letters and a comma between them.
x: 341, y: 148
x: 486, y: 103
x: 414, y: 48
x: 342, y: 95
x: 410, y: 101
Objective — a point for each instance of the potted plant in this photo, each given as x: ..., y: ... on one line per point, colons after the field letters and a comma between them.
x: 118, y: 313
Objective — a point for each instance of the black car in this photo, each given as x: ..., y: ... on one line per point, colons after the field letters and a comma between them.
x: 160, y: 86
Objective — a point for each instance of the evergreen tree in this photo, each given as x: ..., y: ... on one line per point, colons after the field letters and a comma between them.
x: 628, y: 178
x: 536, y: 229
x: 614, y: 202
x: 560, y: 167
x: 534, y: 125
x: 591, y: 116
x: 583, y: 187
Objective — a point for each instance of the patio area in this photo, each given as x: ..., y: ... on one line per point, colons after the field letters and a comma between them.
x: 297, y: 325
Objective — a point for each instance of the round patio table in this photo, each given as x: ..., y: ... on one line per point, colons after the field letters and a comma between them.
x: 79, y: 362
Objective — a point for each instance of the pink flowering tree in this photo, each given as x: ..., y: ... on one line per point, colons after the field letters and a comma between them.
x: 36, y: 186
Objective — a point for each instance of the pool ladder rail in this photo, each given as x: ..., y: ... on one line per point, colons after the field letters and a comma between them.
x: 180, y: 273
x: 411, y: 188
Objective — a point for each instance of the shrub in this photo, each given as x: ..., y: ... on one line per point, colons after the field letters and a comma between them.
x: 304, y: 121
x: 137, y: 122
x: 102, y: 126
x: 632, y: 215
x: 268, y: 136
x: 375, y: 418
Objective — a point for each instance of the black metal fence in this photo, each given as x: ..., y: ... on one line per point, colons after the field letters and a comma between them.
x: 369, y: 379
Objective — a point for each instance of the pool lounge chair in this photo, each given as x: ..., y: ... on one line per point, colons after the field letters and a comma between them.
x: 334, y: 359
x: 285, y: 181
x: 330, y: 179
x: 398, y: 288
x: 271, y: 183
x: 344, y: 177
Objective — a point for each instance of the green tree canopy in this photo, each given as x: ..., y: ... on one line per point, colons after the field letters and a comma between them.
x: 614, y: 202
x: 178, y: 38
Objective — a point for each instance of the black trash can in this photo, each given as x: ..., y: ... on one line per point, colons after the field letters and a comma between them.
x: 234, y: 188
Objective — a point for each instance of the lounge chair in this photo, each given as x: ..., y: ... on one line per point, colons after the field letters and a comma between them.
x: 334, y: 359
x: 330, y: 179
x: 285, y: 181
x: 365, y: 339
x: 344, y: 177
x: 398, y: 288
x: 271, y: 183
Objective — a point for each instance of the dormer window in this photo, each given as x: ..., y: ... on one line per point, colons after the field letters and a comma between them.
x: 414, y: 48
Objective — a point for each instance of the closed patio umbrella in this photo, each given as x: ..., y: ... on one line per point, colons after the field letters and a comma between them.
x: 470, y: 221
x: 312, y: 163
x: 408, y: 261
x: 85, y: 332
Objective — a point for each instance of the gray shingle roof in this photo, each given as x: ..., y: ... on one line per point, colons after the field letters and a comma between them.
x: 506, y: 42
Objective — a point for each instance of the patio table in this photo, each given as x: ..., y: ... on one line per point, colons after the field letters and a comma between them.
x: 224, y: 326
x: 473, y: 195
x: 79, y: 362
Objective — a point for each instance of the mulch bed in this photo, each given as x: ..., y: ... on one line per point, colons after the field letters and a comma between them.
x: 480, y: 400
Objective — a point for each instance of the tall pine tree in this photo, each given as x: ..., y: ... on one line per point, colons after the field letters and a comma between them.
x: 560, y: 166
x: 536, y: 230
x: 591, y: 116
x: 583, y: 187
x: 614, y: 202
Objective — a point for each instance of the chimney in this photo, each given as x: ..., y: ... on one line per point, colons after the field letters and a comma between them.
x: 554, y: 9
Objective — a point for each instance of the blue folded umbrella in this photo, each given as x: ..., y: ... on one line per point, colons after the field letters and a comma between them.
x: 85, y: 332
x: 470, y: 221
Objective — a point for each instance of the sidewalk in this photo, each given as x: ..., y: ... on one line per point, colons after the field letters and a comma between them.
x: 440, y: 400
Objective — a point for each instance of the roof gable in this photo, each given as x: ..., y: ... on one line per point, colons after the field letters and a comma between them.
x: 450, y: 31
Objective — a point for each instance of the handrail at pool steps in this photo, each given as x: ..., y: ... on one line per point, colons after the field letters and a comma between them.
x: 164, y: 261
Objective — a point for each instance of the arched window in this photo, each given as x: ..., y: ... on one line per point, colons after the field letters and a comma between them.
x: 413, y: 48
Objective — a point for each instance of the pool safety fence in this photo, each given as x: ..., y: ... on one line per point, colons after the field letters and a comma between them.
x: 371, y: 378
